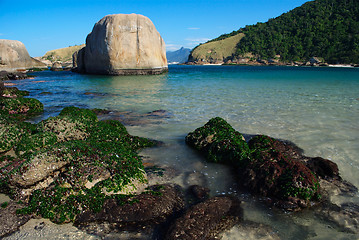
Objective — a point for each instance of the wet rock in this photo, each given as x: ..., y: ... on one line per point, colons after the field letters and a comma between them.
x: 151, y: 207
x: 250, y: 231
x: 195, y: 177
x: 206, y: 220
x: 4, y: 75
x: 272, y: 172
x: 199, y: 193
x: 219, y: 142
x: 72, y: 162
x: 333, y: 190
x: 9, y: 220
x: 265, y: 166
x: 14, y: 105
x: 38, y: 168
x: 345, y: 217
x: 68, y: 126
x: 323, y: 167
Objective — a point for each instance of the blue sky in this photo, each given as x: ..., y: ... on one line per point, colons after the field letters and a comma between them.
x: 48, y: 25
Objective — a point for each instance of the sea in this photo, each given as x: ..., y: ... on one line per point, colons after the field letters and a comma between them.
x: 316, y: 108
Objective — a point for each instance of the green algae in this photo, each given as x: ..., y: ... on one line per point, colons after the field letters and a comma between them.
x: 86, y: 150
x: 220, y: 142
x: 14, y: 105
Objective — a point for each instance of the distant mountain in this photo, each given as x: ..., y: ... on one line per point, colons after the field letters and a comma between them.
x: 178, y: 56
x: 328, y: 29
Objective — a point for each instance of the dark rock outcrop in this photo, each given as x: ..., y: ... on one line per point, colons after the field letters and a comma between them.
x: 151, y: 207
x: 205, y: 220
x: 266, y: 166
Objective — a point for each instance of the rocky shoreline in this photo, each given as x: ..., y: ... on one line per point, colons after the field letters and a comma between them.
x: 312, y: 62
x: 76, y: 169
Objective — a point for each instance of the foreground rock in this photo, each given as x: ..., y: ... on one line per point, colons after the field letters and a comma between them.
x: 205, y: 220
x: 9, y: 220
x: 4, y: 75
x: 14, y: 56
x: 122, y: 44
x: 266, y: 166
x: 68, y: 163
x: 157, y: 205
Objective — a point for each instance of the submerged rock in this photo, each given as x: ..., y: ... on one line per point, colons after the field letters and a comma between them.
x: 122, y: 44
x: 9, y: 220
x: 345, y: 216
x: 206, y: 219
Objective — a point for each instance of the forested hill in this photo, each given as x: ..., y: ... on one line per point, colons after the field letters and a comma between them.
x: 322, y: 28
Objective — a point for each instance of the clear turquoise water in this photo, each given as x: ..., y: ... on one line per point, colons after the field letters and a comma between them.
x: 316, y: 108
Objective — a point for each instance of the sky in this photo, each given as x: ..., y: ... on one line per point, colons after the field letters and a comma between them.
x: 47, y: 25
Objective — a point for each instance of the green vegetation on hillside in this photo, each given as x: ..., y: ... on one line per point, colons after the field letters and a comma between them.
x: 216, y: 50
x: 323, y: 28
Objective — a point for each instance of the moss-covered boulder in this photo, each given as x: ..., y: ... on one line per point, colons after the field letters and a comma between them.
x: 265, y: 166
x: 273, y: 172
x: 219, y: 142
x: 68, y: 163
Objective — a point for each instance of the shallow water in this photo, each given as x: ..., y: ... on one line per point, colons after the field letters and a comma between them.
x: 316, y: 108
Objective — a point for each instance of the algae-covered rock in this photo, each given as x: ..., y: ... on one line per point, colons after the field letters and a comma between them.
x: 33, y: 142
x: 265, y: 166
x: 72, y: 162
x: 204, y: 220
x: 219, y: 142
x: 14, y: 105
x: 71, y: 124
x: 9, y: 135
x: 272, y: 172
x: 20, y: 106
x: 13, y: 92
x: 152, y: 206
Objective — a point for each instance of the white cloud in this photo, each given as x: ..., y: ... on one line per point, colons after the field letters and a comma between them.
x: 197, y: 40
x: 193, y: 28
x: 173, y: 47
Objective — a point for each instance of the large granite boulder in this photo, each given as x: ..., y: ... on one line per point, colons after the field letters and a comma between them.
x: 123, y: 44
x: 14, y: 56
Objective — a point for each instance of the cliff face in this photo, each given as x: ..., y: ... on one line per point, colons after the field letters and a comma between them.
x: 123, y: 44
x: 14, y: 56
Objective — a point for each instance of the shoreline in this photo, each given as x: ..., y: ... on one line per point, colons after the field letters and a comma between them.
x: 259, y: 64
